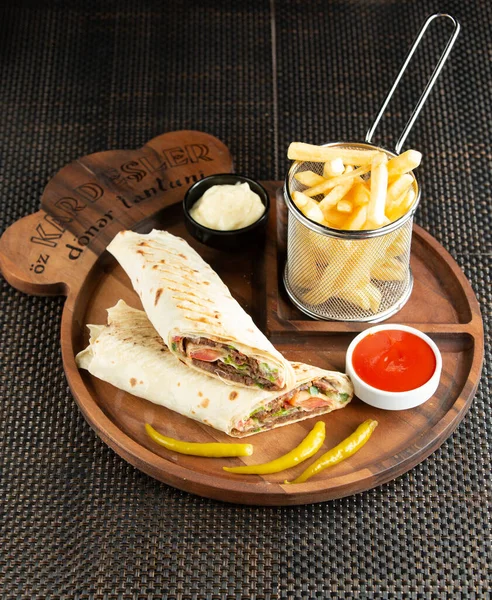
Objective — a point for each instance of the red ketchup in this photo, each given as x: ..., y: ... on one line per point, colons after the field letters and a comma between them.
x: 394, y: 360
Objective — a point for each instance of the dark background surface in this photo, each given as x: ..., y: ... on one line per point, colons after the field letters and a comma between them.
x: 79, y: 77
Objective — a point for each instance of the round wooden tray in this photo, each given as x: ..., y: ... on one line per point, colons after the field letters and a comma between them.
x: 60, y: 249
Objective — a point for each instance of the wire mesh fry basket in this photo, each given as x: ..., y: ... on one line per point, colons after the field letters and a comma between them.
x: 361, y: 275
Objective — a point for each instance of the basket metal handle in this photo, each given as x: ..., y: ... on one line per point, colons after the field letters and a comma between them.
x: 429, y: 86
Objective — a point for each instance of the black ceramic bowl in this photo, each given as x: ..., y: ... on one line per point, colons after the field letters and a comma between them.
x: 234, y: 239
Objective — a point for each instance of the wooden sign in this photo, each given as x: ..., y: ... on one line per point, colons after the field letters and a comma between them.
x: 91, y: 199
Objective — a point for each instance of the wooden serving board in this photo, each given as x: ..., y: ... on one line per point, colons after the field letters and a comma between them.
x: 61, y: 250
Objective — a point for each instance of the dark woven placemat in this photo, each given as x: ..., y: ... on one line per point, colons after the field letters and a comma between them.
x: 78, y: 77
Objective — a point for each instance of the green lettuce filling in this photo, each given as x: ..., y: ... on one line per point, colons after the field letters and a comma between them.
x: 256, y: 411
x: 268, y: 372
x: 282, y: 412
x: 229, y: 361
x: 279, y: 413
x: 266, y: 368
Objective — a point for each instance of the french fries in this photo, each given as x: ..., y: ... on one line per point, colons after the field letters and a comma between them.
x: 386, y: 187
x: 333, y: 168
x: 309, y: 179
x: 344, y: 206
x: 357, y: 219
x: 349, y: 175
x: 353, y: 190
x: 360, y: 194
x: 310, y: 153
x: 404, y: 163
x: 308, y: 206
x: 337, y: 193
x: 391, y: 269
x: 398, y: 189
x: 379, y: 186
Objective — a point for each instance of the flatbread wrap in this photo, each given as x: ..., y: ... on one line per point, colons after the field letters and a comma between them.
x: 195, y: 313
x: 129, y: 354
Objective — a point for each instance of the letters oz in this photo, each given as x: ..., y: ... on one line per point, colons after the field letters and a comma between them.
x: 40, y: 264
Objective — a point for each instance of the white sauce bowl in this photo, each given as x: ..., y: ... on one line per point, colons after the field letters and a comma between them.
x: 393, y: 400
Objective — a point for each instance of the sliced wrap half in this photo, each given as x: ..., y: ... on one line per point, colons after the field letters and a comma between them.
x: 194, y: 312
x: 130, y: 354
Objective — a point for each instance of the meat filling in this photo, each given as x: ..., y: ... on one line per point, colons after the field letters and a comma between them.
x: 227, y: 362
x: 313, y: 398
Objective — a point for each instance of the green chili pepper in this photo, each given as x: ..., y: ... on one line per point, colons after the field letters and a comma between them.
x: 344, y: 450
x: 307, y: 448
x: 214, y: 450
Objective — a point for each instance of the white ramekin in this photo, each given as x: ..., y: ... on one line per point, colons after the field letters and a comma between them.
x: 393, y: 400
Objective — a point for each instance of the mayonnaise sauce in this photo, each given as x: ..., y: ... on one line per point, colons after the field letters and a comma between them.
x: 228, y: 207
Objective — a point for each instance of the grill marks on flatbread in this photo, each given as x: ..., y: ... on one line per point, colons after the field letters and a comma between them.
x: 184, y: 298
